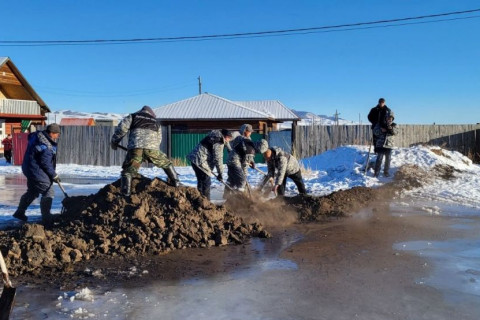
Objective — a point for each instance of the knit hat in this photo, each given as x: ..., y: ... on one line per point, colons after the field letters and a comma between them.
x: 392, y: 115
x: 246, y: 127
x: 148, y: 110
x: 53, y: 128
x: 261, y: 146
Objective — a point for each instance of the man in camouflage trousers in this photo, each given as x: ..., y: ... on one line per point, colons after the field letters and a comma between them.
x: 206, y: 156
x: 241, y: 156
x: 282, y: 165
x: 143, y: 144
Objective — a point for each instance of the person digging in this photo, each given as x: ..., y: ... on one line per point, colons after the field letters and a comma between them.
x: 282, y: 165
x: 144, y: 138
x: 39, y: 164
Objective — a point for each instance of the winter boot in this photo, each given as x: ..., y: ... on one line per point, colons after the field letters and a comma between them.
x: 45, y: 207
x: 126, y: 184
x: 172, y: 176
x: 25, y: 201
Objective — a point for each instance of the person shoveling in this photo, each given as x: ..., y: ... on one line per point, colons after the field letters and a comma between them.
x: 207, y: 155
x: 39, y: 164
x: 282, y: 165
x: 144, y: 138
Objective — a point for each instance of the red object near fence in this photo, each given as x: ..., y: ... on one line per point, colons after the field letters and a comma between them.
x: 20, y: 142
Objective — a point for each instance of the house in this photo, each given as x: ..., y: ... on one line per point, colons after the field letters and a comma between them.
x: 20, y: 106
x: 77, y: 122
x: 207, y: 111
x: 189, y: 120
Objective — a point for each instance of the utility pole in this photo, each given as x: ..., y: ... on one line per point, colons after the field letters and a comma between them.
x: 199, y: 85
x: 336, y: 117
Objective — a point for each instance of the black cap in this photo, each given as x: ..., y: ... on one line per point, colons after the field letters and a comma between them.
x: 226, y: 133
x: 53, y: 128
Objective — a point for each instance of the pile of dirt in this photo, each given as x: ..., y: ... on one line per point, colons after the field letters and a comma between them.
x: 341, y: 203
x: 156, y: 219
x: 283, y: 211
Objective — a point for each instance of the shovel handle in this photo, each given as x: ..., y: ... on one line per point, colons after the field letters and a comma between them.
x: 63, y: 190
x: 3, y: 266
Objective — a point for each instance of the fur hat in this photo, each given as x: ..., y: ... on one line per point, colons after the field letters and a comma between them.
x: 53, y: 128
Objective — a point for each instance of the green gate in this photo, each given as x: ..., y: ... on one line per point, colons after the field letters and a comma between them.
x: 183, y: 144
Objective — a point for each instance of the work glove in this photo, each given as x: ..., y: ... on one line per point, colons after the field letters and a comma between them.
x: 114, y: 145
x: 220, y: 177
x: 56, y: 179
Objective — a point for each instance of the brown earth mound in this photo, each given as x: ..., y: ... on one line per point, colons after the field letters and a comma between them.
x: 157, y: 218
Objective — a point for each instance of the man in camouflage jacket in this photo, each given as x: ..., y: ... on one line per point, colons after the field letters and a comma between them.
x: 282, y: 165
x: 143, y: 144
x: 206, y: 156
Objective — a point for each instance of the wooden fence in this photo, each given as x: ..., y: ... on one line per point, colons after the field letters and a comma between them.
x: 91, y: 145
x: 313, y: 140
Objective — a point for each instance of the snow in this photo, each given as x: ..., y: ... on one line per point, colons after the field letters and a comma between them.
x: 333, y: 170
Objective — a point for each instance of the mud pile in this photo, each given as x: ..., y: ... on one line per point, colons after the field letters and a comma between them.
x: 157, y: 218
x: 282, y: 211
x: 337, y: 204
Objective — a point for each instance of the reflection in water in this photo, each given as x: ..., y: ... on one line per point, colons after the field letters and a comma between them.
x: 455, y: 263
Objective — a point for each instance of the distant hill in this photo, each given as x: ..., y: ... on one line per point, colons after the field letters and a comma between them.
x: 309, y: 118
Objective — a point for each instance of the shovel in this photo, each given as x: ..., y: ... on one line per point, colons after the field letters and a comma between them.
x: 66, y: 198
x: 8, y: 293
x: 271, y: 179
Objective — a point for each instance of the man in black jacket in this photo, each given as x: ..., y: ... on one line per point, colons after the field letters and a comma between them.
x: 379, y: 114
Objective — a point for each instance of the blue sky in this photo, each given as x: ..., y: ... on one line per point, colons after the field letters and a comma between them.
x: 427, y: 72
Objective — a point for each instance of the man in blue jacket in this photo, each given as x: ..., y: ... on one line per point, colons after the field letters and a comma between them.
x: 38, y: 166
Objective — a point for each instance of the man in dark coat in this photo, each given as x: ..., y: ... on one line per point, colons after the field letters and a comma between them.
x: 144, y: 138
x: 7, y: 148
x: 38, y: 166
x: 379, y: 114
x: 384, y: 144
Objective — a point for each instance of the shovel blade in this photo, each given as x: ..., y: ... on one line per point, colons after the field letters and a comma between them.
x: 6, y: 302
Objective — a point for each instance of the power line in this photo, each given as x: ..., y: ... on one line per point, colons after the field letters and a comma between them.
x: 331, y: 28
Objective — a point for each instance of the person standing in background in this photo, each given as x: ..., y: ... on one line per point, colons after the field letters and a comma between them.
x: 7, y: 148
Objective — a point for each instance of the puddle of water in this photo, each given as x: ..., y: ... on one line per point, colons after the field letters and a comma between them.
x: 222, y: 296
x: 455, y: 265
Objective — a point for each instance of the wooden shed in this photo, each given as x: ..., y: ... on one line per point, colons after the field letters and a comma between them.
x: 20, y: 106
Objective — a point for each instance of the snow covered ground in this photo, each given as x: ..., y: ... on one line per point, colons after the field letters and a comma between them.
x: 333, y: 170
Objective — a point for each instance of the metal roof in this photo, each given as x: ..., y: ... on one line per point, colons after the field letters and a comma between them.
x: 273, y: 107
x: 207, y: 106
